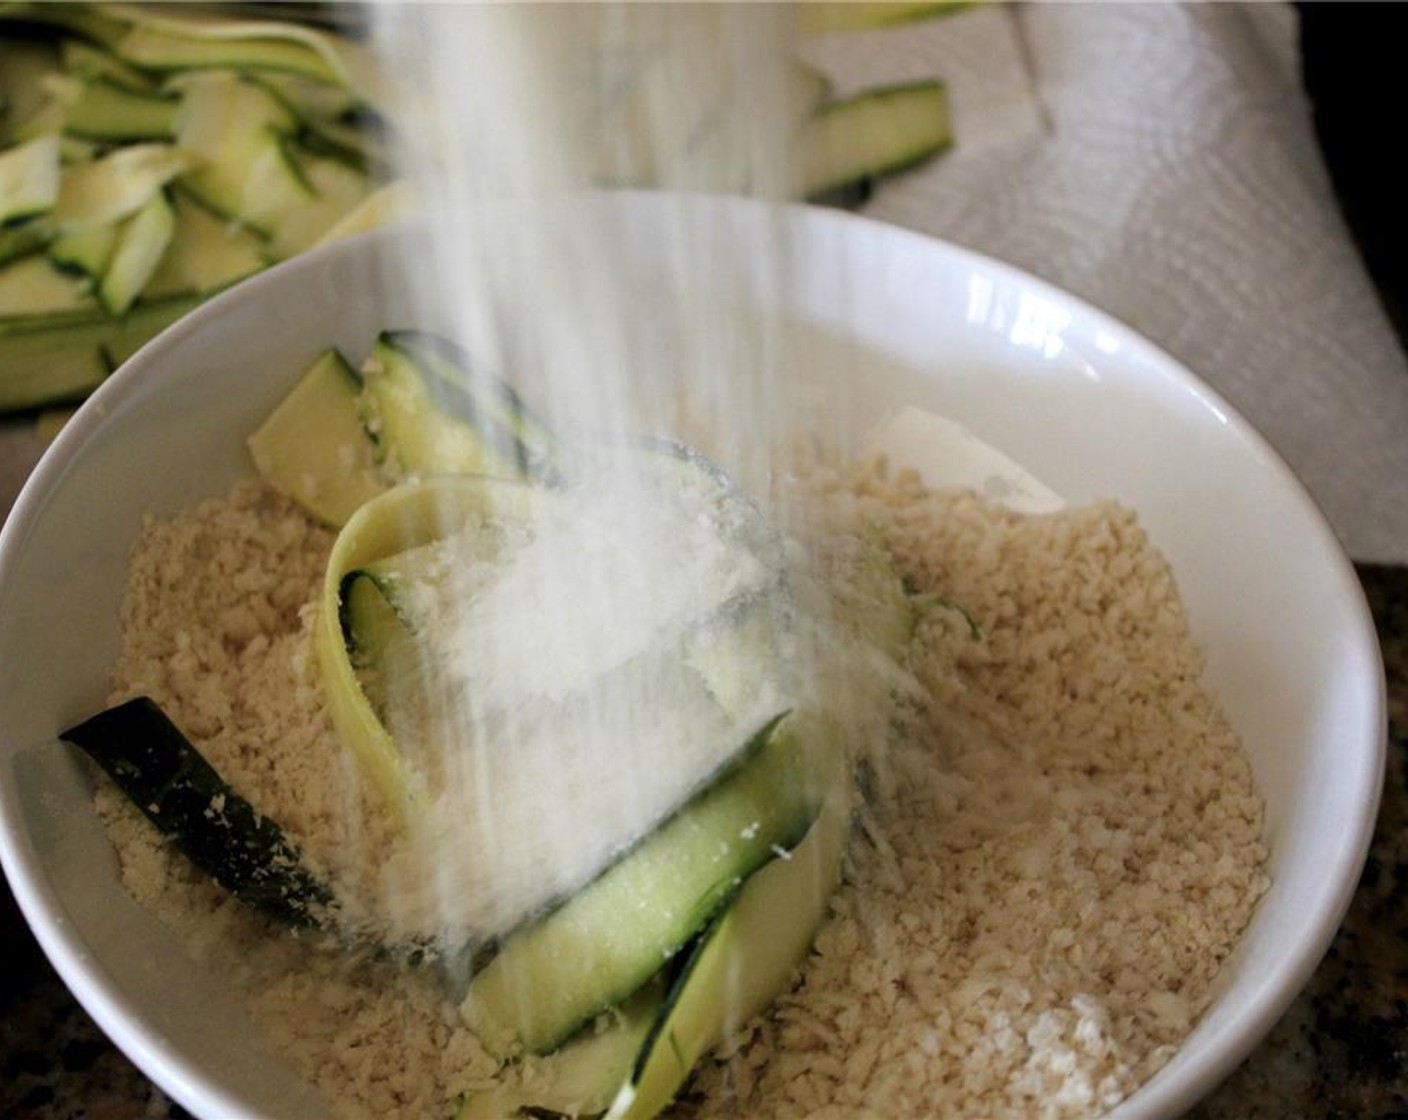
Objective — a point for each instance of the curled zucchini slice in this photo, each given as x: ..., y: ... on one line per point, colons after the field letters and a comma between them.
x: 746, y: 958
x: 403, y: 518
x: 551, y: 977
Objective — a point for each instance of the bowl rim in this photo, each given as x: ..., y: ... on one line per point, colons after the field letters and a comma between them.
x: 1281, y: 985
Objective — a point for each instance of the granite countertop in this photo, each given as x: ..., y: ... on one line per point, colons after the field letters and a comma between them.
x: 1340, y: 1052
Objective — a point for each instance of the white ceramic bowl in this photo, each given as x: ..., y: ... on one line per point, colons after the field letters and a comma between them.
x: 1088, y: 406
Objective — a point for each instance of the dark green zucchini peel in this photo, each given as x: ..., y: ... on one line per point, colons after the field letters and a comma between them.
x: 161, y: 773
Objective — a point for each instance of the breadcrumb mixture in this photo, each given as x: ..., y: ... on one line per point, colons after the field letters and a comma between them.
x: 1057, y: 853
x: 1059, y: 847
x: 216, y: 629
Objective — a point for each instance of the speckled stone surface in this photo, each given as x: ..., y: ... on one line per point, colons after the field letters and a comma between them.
x: 1340, y: 1053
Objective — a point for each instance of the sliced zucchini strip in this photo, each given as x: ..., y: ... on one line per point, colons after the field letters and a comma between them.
x: 23, y: 239
x: 580, y: 1078
x: 112, y: 112
x: 86, y: 250
x: 312, y: 100
x: 876, y: 133
x: 400, y: 519
x: 117, y: 185
x: 361, y: 144
x: 294, y: 454
x: 478, y: 394
x: 90, y: 62
x: 635, y: 1062
x: 606, y: 940
x: 430, y: 414
x: 747, y: 957
x: 141, y: 242
x: 336, y: 190
x: 314, y: 449
x: 239, y: 131
x: 825, y: 17
x: 541, y: 689
x: 25, y: 67
x: 29, y: 179
x: 33, y: 290
x: 380, y: 641
x: 388, y: 203
x: 206, y: 252
x: 336, y: 56
x: 49, y: 362
x: 189, y: 46
x: 161, y: 773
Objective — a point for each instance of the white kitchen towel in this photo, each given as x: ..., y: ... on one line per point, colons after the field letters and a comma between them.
x: 1159, y: 160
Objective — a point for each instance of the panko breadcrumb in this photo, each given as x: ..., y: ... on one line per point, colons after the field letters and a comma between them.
x: 1060, y: 844
x: 216, y: 629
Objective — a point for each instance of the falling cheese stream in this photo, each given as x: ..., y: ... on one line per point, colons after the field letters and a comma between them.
x: 564, y: 714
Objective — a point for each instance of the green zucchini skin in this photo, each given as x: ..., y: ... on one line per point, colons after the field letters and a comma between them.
x: 744, y: 959
x: 491, y: 393
x: 491, y: 412
x: 871, y: 136
x: 141, y: 242
x: 161, y: 773
x: 86, y: 252
x: 153, y: 48
x: 29, y: 179
x: 580, y: 1078
x: 110, y: 112
x: 550, y: 977
x: 56, y: 361
x: 369, y: 618
x: 831, y: 19
x: 21, y: 240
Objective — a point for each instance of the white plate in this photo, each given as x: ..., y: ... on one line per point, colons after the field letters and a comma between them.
x: 1086, y: 405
